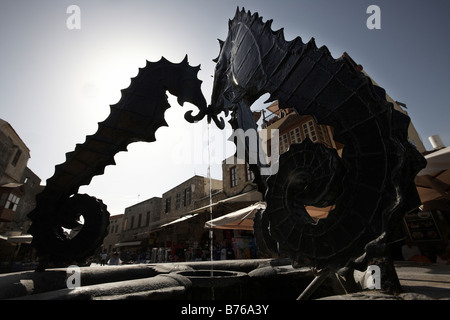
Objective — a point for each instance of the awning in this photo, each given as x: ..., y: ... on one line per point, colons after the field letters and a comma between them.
x: 436, y: 162
x: 251, y: 196
x: 243, y: 218
x: 128, y: 244
x: 237, y: 220
x: 11, y: 185
x: 179, y: 220
x: 433, y: 182
x: 25, y: 238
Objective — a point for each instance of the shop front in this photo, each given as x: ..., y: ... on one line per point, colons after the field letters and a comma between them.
x: 428, y: 228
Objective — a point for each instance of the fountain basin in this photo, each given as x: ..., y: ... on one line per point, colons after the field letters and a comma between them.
x: 215, y: 284
x: 214, y: 278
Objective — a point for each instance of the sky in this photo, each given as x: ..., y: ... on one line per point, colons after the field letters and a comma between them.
x: 57, y: 82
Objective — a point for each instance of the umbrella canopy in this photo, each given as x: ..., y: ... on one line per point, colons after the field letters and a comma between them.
x: 433, y: 182
x: 243, y: 219
x: 25, y: 238
x: 238, y: 220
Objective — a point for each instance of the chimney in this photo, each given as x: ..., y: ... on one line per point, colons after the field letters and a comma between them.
x: 436, y: 142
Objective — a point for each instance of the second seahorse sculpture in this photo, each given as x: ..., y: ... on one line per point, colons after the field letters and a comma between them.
x: 370, y: 187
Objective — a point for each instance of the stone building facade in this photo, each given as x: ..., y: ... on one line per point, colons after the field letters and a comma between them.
x: 172, y: 228
x: 237, y: 178
x: 188, y: 238
x: 14, y: 155
x: 136, y: 227
x: 187, y: 196
x: 18, y: 184
x: 294, y: 128
x: 31, y: 186
x: 114, y: 232
x: 18, y: 188
x: 186, y: 208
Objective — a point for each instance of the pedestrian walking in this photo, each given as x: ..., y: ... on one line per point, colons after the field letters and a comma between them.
x: 103, y: 258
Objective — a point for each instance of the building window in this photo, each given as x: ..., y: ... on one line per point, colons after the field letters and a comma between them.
x: 125, y: 224
x: 167, y: 209
x: 298, y: 135
x: 9, y: 201
x: 147, y: 220
x: 310, y: 131
x: 305, y: 130
x: 187, y: 196
x: 322, y: 132
x: 250, y: 175
x: 177, y: 200
x: 16, y: 157
x: 233, y: 177
x: 132, y: 223
x: 139, y: 220
x: 295, y: 135
x: 292, y: 136
x: 3, y: 198
x: 284, y: 143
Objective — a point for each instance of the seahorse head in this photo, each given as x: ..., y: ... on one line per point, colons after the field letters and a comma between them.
x: 239, y: 76
x: 181, y: 81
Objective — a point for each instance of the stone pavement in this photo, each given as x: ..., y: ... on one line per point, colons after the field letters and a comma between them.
x: 420, y: 281
x: 428, y: 279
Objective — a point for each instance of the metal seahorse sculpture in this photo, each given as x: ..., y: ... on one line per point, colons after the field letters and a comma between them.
x: 136, y: 117
x: 370, y: 187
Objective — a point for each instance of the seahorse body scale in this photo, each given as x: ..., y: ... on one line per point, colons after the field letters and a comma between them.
x: 370, y: 186
x: 136, y: 117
